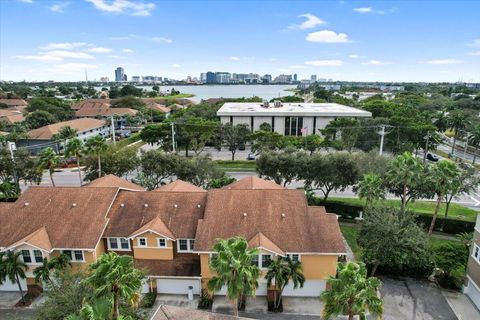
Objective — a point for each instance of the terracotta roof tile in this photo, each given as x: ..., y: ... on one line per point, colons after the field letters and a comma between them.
x: 39, y: 239
x: 13, y: 102
x: 113, y: 181
x: 158, y: 107
x: 179, y: 186
x: 251, y: 183
x: 180, y: 266
x: 46, y: 132
x: 156, y: 225
x: 260, y: 241
x: 72, y: 217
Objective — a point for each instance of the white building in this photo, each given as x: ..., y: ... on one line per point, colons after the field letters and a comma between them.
x: 291, y: 119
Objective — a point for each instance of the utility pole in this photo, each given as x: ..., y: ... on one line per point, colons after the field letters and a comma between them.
x: 113, y: 129
x: 12, y: 147
x: 465, y: 150
x: 426, y: 147
x: 173, y: 137
x: 382, y: 135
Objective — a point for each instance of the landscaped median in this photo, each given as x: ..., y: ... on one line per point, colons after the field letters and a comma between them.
x: 459, y: 219
x: 236, y: 165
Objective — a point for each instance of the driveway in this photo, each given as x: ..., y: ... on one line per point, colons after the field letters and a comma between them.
x: 9, y: 298
x: 410, y: 299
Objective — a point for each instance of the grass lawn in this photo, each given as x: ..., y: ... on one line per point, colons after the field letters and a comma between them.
x: 177, y: 96
x: 456, y: 211
x: 236, y: 165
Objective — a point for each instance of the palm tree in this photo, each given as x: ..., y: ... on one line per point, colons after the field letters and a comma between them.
x: 64, y: 134
x: 444, y: 175
x: 13, y: 269
x: 96, y: 145
x: 49, y: 160
x: 457, y: 121
x: 60, y: 262
x: 441, y: 121
x: 233, y: 267
x: 114, y: 276
x: 280, y: 271
x: 370, y: 188
x: 74, y: 148
x: 474, y: 140
x: 351, y: 293
x: 42, y: 272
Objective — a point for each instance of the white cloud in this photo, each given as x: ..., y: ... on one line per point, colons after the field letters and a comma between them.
x: 324, y: 63
x: 58, y: 7
x: 56, y: 55
x: 311, y: 22
x: 25, y: 1
x: 475, y: 53
x: 327, y: 36
x: 444, y: 61
x: 127, y: 37
x: 113, y: 56
x: 63, y: 46
x: 475, y: 43
x: 127, y: 50
x: 99, y: 50
x: 363, y: 10
x: 161, y: 40
x: 73, y: 68
x: 234, y: 58
x: 176, y: 65
x: 297, y: 66
x: 376, y: 63
x: 356, y: 56
x: 130, y: 7
x: 40, y: 57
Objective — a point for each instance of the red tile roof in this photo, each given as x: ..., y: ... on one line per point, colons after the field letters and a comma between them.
x: 113, y: 181
x: 179, y: 186
x: 155, y: 225
x: 251, y: 183
x: 47, y: 132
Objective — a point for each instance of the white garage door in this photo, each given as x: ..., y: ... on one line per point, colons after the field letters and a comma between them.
x: 473, y: 293
x: 311, y: 288
x: 177, y: 286
x: 13, y: 286
x: 261, y: 289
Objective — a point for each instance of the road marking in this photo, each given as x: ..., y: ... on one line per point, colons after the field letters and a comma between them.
x: 477, y: 202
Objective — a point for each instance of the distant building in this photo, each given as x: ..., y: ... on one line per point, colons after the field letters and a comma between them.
x: 104, y: 79
x: 313, y: 78
x: 203, y: 77
x: 223, y: 77
x: 283, y: 78
x: 18, y: 104
x: 136, y: 78
x: 472, y: 282
x: 120, y: 75
x: 290, y: 119
x: 295, y: 77
x: 11, y: 116
x: 210, y: 77
x: 267, y: 78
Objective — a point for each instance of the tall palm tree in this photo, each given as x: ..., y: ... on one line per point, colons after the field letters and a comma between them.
x: 74, y: 148
x: 13, y: 269
x: 280, y: 272
x: 474, y: 140
x: 444, y: 175
x: 95, y: 146
x: 234, y: 269
x: 42, y: 272
x: 457, y: 121
x: 114, y: 276
x: 441, y: 121
x: 60, y: 262
x: 351, y: 293
x: 64, y: 134
x: 370, y: 188
x: 49, y: 160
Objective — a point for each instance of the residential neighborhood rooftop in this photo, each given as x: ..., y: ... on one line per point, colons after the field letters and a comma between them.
x: 47, y: 132
x: 111, y: 180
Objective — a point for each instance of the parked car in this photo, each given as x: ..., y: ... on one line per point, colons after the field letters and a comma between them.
x: 251, y: 156
x: 432, y: 157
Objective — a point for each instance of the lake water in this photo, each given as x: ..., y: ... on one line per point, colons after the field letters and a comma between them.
x: 230, y: 91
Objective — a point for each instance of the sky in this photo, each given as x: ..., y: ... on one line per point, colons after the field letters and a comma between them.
x: 432, y: 41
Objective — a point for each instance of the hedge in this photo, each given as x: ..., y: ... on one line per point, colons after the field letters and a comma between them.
x: 348, y: 212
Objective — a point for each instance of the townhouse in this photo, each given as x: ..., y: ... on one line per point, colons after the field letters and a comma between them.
x: 472, y: 280
x: 170, y: 231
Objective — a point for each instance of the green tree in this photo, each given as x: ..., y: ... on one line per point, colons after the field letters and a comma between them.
x: 466, y: 183
x: 13, y: 269
x: 113, y: 276
x: 392, y: 239
x: 280, y: 272
x: 347, y: 128
x: 234, y: 136
x: 444, y: 176
x: 281, y: 166
x: 49, y: 160
x: 198, y: 170
x: 311, y: 143
x: 370, y: 188
x: 75, y: 148
x: 39, y: 118
x: 42, y: 272
x: 351, y: 293
x: 158, y: 133
x: 96, y: 146
x: 60, y: 108
x: 22, y: 167
x: 457, y: 121
x: 130, y: 90
x: 155, y: 167
x: 474, y: 140
x: 232, y: 264
x: 193, y: 133
x: 265, y: 141
x: 116, y: 160
x: 129, y: 101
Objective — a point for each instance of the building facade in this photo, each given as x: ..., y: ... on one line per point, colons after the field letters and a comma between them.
x: 290, y: 119
x: 472, y: 282
x: 120, y: 75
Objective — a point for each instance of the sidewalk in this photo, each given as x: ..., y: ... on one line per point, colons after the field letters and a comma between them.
x: 461, y: 305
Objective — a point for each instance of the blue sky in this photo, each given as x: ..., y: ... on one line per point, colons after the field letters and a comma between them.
x: 343, y: 40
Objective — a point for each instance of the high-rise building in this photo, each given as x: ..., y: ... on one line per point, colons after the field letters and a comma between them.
x: 136, y: 78
x: 203, y: 77
x: 120, y: 75
x: 313, y: 78
x: 223, y: 77
x: 295, y: 77
x: 104, y: 79
x: 267, y: 78
x: 210, y: 77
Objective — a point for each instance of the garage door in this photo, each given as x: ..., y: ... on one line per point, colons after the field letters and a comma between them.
x: 473, y: 293
x: 12, y: 286
x: 311, y: 288
x: 261, y: 289
x: 177, y: 286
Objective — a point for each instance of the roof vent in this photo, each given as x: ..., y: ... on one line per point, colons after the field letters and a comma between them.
x: 283, y: 215
x: 146, y: 205
x: 122, y: 205
x: 27, y: 204
x: 244, y: 214
x: 74, y: 205
x: 175, y: 205
x: 198, y: 206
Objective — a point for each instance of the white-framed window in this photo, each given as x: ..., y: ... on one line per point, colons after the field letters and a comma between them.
x: 121, y: 244
x: 266, y: 260
x: 142, y: 242
x: 32, y: 256
x: 74, y: 255
x: 476, y: 253
x: 185, y: 245
x: 255, y: 260
x: 294, y: 256
x: 162, y: 242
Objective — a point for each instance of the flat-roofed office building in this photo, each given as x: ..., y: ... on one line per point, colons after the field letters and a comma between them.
x: 290, y: 119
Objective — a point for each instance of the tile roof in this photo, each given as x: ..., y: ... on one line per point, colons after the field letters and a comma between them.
x: 38, y: 238
x: 13, y: 102
x: 260, y: 241
x: 179, y: 211
x: 91, y: 103
x: 13, y: 118
x: 84, y: 124
x: 179, y: 186
x: 180, y: 266
x: 72, y: 217
x: 158, y: 107
x: 113, y: 181
x: 281, y: 215
x: 253, y: 182
x: 165, y: 312
x: 156, y: 225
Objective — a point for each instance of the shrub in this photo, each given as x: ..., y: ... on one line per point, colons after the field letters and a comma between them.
x: 206, y: 300
x: 148, y: 300
x: 451, y: 258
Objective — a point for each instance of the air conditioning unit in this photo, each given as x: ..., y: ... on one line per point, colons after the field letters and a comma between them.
x: 277, y: 103
x: 266, y: 104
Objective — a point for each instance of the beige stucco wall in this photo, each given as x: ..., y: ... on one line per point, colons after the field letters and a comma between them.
x: 152, y: 251
x: 317, y: 267
x: 473, y: 267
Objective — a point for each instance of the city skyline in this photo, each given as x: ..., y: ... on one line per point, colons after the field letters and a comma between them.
x: 347, y: 41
